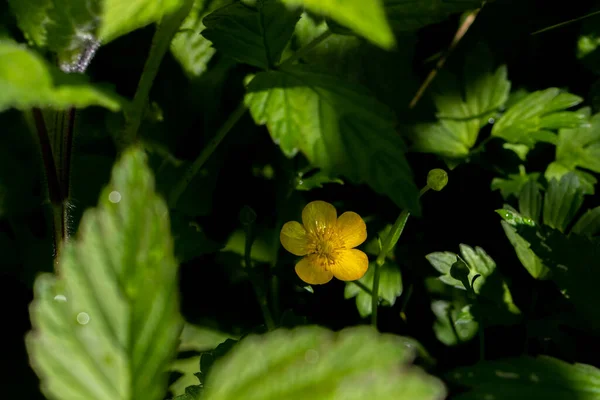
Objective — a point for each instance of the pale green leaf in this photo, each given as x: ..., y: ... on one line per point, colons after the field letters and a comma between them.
x: 108, y: 327
x: 313, y: 362
x: 390, y: 287
x: 121, y: 17
x: 365, y: 17
x: 562, y: 201
x: 514, y: 183
x: 338, y: 126
x: 448, y: 313
x: 410, y: 15
x: 589, y: 223
x: 534, y: 118
x: 255, y: 36
x: 527, y: 378
x: 32, y: 17
x: 27, y: 81
x: 556, y: 170
x: 528, y: 258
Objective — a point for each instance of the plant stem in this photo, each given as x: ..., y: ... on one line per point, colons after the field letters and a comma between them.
x: 191, y: 172
x: 375, y: 295
x: 306, y: 49
x: 166, y: 29
x: 449, y: 315
x: 363, y: 287
x: 260, y: 293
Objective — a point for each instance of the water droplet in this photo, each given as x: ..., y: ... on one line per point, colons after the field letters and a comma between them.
x: 300, y: 182
x: 83, y: 318
x: 114, y: 197
x: 491, y: 120
x: 311, y: 356
x: 534, y: 378
x: 60, y: 297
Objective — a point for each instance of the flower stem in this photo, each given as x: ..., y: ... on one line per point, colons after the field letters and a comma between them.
x: 306, y: 49
x: 191, y: 172
x: 166, y: 29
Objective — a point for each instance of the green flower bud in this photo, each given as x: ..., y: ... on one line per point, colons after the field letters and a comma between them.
x: 437, y: 179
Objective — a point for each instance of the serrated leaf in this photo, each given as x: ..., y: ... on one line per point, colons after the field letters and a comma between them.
x: 313, y: 362
x: 530, y: 200
x: 461, y: 116
x: 527, y: 378
x: 192, y: 50
x: 535, y: 117
x: 31, y: 18
x: 556, y: 171
x: 109, y: 326
x: 365, y: 17
x: 27, y: 81
x: 464, y: 323
x: 121, y: 17
x: 562, y: 201
x: 255, y: 36
x: 589, y: 223
x: 477, y: 261
x: 410, y: 15
x: 316, y: 180
x: 514, y: 183
x: 528, y: 258
x: 338, y: 126
x: 390, y: 287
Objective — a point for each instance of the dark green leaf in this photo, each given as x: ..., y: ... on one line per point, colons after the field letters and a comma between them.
x: 464, y: 324
x: 514, y: 183
x: 190, y: 240
x: 108, y: 327
x: 338, y: 127
x: 589, y: 223
x: 562, y: 201
x: 365, y: 17
x: 410, y: 15
x: 530, y: 200
x: 390, y: 287
x: 528, y: 258
x: 255, y: 36
x: 533, y: 118
x: 527, y: 378
x: 313, y: 362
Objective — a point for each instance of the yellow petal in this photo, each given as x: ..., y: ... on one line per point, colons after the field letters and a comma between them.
x: 294, y: 238
x: 311, y: 271
x: 318, y: 215
x: 350, y: 265
x: 352, y: 229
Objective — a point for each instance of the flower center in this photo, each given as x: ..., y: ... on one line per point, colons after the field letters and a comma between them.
x: 325, y: 245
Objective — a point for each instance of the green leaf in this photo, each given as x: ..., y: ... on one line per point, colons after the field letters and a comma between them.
x: 31, y: 16
x: 109, y: 326
x: 527, y: 378
x: 463, y: 111
x: 390, y: 287
x: 464, y: 323
x: 533, y: 118
x: 313, y: 362
x: 190, y: 240
x: 192, y: 50
x: 589, y: 223
x: 514, y: 183
x: 562, y: 201
x: 261, y: 245
x: 255, y: 36
x: 410, y: 15
x: 528, y: 258
x: 316, y: 180
x: 365, y: 17
x: 121, y: 17
x: 557, y: 170
x: 477, y: 261
x: 530, y: 200
x: 337, y: 126
x: 27, y: 81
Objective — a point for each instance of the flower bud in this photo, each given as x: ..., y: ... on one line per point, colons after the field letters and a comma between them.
x: 437, y: 179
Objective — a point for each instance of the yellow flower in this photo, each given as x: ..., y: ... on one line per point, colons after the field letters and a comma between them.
x: 327, y: 242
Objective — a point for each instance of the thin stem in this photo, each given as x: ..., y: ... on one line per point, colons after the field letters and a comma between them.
x: 306, y: 49
x: 363, y: 287
x: 260, y: 294
x: 375, y: 295
x: 460, y: 33
x: 409, y: 293
x: 566, y: 22
x: 191, y: 172
x: 161, y: 41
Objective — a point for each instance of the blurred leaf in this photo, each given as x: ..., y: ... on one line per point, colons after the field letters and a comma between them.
x: 365, y: 17
x: 261, y: 245
x: 589, y: 223
x: 390, y: 287
x: 535, y: 117
x: 198, y: 338
x: 562, y: 201
x: 316, y: 180
x: 121, y: 17
x: 372, y: 246
x: 526, y: 378
x: 464, y: 323
x: 255, y: 36
x: 208, y: 358
x: 32, y: 16
x: 109, y: 326
x: 556, y: 171
x: 27, y: 81
x: 187, y: 367
x: 352, y: 364
x: 513, y: 185
x: 477, y: 260
x: 578, y: 148
x: 308, y: 111
x: 190, y: 240
x: 189, y: 47
x: 410, y: 15
x: 463, y: 111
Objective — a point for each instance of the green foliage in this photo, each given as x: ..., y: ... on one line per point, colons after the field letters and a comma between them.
x: 108, y: 326
x: 463, y: 110
x: 313, y: 361
x: 408, y: 15
x: 390, y: 287
x: 27, y: 81
x: 513, y: 184
x: 308, y: 111
x: 365, y: 17
x: 527, y: 378
x: 256, y: 36
x: 454, y: 322
x: 315, y: 180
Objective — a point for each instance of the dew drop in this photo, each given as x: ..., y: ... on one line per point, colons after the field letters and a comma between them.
x: 491, y: 120
x: 300, y: 182
x: 83, y: 318
x: 60, y: 297
x: 114, y: 197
